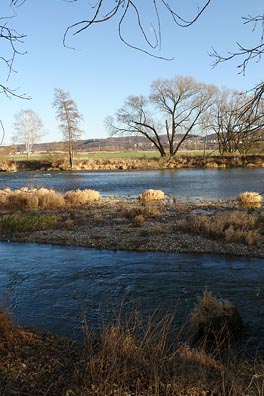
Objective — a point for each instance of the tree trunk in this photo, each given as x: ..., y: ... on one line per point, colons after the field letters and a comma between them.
x: 70, y: 154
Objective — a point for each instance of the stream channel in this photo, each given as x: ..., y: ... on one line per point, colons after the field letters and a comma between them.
x: 54, y: 287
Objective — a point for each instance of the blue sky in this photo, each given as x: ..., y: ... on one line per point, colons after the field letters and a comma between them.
x: 101, y: 72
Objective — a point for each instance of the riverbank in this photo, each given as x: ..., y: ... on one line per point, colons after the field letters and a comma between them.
x: 145, y: 358
x: 206, y: 227
x: 181, y: 161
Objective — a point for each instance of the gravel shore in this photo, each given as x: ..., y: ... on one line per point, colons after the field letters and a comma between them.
x: 111, y: 224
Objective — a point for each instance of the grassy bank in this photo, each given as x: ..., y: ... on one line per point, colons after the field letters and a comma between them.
x: 135, y: 357
x: 100, y: 155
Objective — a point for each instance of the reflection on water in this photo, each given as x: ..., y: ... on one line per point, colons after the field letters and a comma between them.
x: 210, y: 184
x: 51, y: 287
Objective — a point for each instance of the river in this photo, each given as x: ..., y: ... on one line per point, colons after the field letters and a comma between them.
x: 53, y: 287
x: 187, y: 184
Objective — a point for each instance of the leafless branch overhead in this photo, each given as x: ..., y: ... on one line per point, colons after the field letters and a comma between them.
x: 10, y: 40
x: 245, y: 53
x: 105, y: 10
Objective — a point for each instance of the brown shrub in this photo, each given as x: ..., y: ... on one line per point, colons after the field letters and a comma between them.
x: 49, y: 199
x: 44, y: 198
x: 146, y: 211
x: 19, y: 199
x: 233, y: 226
x: 214, y: 319
x: 25, y: 198
x: 4, y: 196
x: 9, y: 332
x: 81, y: 197
x: 151, y: 195
x: 69, y: 223
x: 139, y: 220
x: 156, y: 229
x: 250, y: 199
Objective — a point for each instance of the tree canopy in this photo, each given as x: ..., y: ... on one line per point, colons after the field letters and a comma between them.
x: 28, y: 129
x: 172, y: 111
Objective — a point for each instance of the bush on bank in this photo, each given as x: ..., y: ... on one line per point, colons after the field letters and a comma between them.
x: 250, y: 199
x: 44, y: 198
x: 235, y: 226
x: 151, y: 195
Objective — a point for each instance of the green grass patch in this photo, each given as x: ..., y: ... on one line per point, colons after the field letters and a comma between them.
x: 138, y: 154
x: 21, y: 222
x: 121, y: 154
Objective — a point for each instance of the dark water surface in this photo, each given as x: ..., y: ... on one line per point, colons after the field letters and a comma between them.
x: 52, y: 287
x: 210, y: 184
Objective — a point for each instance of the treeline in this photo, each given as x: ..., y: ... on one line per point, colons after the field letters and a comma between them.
x: 180, y: 107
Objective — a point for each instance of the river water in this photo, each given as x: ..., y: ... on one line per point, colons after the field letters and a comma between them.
x: 54, y: 287
x: 191, y: 184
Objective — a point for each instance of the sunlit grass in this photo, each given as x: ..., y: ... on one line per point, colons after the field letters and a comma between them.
x: 234, y: 226
x: 106, y: 155
x: 23, y: 222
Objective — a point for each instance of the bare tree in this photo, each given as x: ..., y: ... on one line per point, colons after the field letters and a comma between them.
x: 28, y: 127
x: 237, y: 128
x: 167, y: 117
x: 69, y: 117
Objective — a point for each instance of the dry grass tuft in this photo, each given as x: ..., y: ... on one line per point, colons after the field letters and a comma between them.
x: 9, y: 333
x: 145, y: 211
x: 250, y: 199
x: 139, y: 220
x: 49, y: 199
x: 151, y: 195
x: 214, y: 319
x: 235, y: 226
x: 81, y: 197
x: 44, y: 198
x: 25, y: 198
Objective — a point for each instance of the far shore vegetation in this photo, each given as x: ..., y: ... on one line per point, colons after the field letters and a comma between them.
x: 125, y: 160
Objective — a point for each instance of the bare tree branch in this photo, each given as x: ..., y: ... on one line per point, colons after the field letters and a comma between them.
x: 3, y: 133
x: 247, y: 54
x: 105, y: 10
x: 10, y: 40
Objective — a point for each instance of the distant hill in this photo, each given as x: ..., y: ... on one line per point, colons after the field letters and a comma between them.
x: 122, y: 143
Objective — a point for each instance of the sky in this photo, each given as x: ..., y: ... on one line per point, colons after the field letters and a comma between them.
x: 100, y: 72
